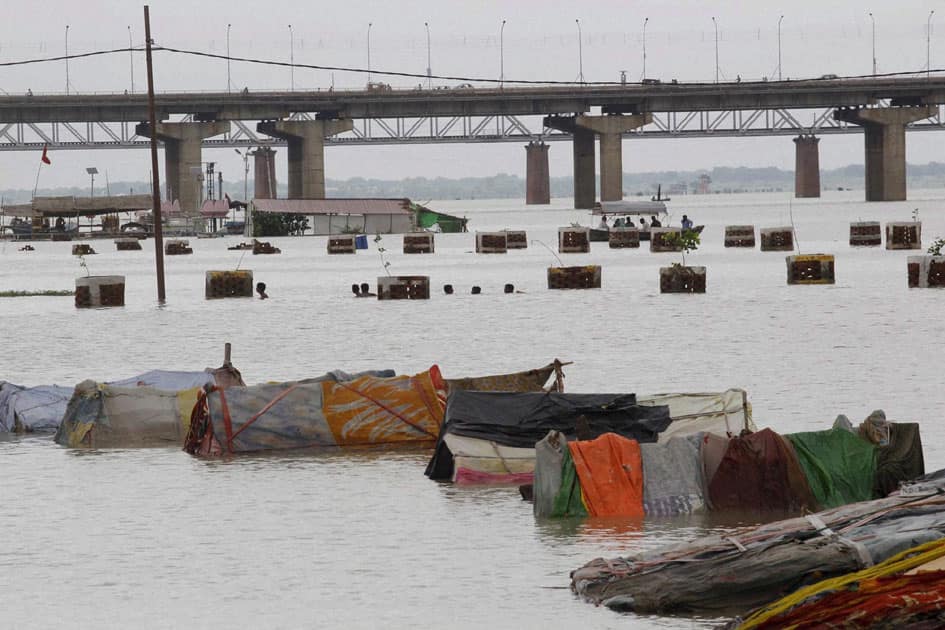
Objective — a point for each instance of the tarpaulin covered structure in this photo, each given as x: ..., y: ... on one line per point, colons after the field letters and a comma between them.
x: 478, y: 459
x: 334, y: 410
x: 151, y: 409
x: 29, y: 409
x: 611, y: 472
x: 751, y: 566
x: 520, y: 420
x: 526, y: 381
x: 840, y: 466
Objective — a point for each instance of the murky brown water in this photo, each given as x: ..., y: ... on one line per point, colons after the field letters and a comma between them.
x: 155, y: 538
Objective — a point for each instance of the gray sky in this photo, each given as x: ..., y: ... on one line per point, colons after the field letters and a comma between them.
x: 540, y: 43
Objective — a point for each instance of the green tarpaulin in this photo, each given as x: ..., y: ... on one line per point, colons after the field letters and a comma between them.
x: 840, y: 466
x: 568, y: 500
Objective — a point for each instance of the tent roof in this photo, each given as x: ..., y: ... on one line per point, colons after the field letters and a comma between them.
x: 630, y: 207
x: 334, y: 206
x: 215, y: 208
x: 68, y: 206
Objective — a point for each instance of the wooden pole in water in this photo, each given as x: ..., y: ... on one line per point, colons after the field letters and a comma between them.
x: 156, y: 177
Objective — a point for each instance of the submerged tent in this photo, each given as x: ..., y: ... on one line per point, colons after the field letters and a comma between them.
x: 485, y: 459
x: 520, y: 420
x: 750, y: 566
x: 29, y: 409
x: 334, y: 410
x: 527, y: 381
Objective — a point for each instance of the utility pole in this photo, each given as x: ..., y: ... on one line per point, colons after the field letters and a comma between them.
x: 156, y: 177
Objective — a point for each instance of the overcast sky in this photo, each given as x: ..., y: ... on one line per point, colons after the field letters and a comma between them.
x: 540, y: 42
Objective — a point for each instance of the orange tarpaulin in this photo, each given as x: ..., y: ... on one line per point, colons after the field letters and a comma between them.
x: 611, y: 472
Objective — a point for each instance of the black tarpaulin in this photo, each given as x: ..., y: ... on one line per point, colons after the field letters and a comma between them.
x: 901, y: 460
x: 523, y: 419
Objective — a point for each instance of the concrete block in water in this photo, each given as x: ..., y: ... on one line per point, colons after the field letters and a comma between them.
x: 227, y: 284
x: 620, y: 238
x: 574, y: 240
x: 96, y: 291
x: 739, y: 235
x: 777, y: 239
x: 866, y: 234
x: 926, y: 272
x: 904, y: 235
x: 491, y: 242
x: 682, y: 279
x: 82, y: 249
x: 342, y: 244
x: 127, y: 244
x: 177, y: 247
x: 810, y: 269
x: 516, y: 239
x: 403, y: 288
x: 421, y: 243
x: 658, y: 241
x: 582, y: 277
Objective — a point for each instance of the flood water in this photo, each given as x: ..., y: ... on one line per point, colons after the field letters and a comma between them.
x: 156, y: 538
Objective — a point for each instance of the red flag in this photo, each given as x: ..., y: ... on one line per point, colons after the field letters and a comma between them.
x: 45, y: 159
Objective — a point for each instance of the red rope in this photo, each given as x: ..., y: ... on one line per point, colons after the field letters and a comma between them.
x: 256, y: 417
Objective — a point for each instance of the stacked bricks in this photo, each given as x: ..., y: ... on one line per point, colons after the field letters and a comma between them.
x: 658, y: 242
x: 926, y: 272
x: 679, y: 279
x: 739, y: 235
x: 810, y: 269
x: 866, y: 234
x: 585, y: 277
x: 491, y: 242
x: 177, y: 248
x: 127, y: 244
x: 342, y: 244
x: 905, y: 235
x: 96, y: 291
x: 777, y: 239
x: 574, y: 240
x: 516, y: 239
x: 403, y: 288
x: 418, y: 243
x: 82, y: 249
x: 227, y: 284
x: 620, y: 238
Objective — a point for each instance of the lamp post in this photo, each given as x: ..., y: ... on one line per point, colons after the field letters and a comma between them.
x: 580, y: 52
x: 928, y: 45
x: 131, y: 59
x: 645, y: 21
x: 779, y: 47
x: 716, y: 25
x: 229, y: 84
x: 502, y: 55
x: 369, y: 25
x: 426, y: 25
x: 67, y: 58
x: 291, y: 60
x: 874, y: 42
x: 92, y: 171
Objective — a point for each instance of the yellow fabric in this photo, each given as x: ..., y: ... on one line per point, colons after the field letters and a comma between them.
x: 186, y: 399
x: 899, y: 563
x: 76, y: 436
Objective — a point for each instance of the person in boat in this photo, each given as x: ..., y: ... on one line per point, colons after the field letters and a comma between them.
x: 619, y: 223
x: 366, y: 290
x: 686, y: 222
x: 603, y: 223
x: 643, y: 225
x: 654, y: 222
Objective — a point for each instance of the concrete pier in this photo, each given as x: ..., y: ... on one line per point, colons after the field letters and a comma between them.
x: 806, y: 167
x: 182, y: 157
x: 264, y: 173
x: 537, y: 178
x: 885, y: 143
x: 306, y: 152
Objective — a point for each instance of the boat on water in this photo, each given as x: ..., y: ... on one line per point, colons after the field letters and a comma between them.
x: 630, y: 211
x: 659, y: 195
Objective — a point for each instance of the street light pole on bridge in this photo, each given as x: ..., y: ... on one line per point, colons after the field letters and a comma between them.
x: 67, y: 59
x: 502, y: 55
x: 580, y: 52
x: 645, y: 20
x: 873, y: 20
x: 291, y: 60
x: 779, y: 47
x: 928, y: 45
x: 716, y: 25
x: 229, y: 83
x: 369, y: 25
x: 426, y: 25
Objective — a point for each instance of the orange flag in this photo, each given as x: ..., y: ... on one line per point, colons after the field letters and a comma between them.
x: 45, y: 159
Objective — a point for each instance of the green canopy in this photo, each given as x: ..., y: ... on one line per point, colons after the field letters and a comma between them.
x: 840, y: 466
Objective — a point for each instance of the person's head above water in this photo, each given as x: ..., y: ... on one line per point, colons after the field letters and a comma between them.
x: 355, y: 289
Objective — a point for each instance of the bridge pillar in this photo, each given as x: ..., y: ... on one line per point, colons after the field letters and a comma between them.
x: 182, y: 153
x: 306, y: 151
x: 585, y: 188
x: 610, y: 129
x: 537, y: 179
x: 806, y: 166
x: 264, y: 173
x: 885, y: 142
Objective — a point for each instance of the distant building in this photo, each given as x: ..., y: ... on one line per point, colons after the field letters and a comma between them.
x: 703, y: 184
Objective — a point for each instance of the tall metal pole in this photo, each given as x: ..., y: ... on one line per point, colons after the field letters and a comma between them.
x: 369, y: 25
x: 429, y: 72
x: 779, y: 47
x: 874, y: 42
x: 502, y: 55
x: 156, y: 176
x: 229, y: 83
x: 291, y: 60
x: 928, y: 45
x: 580, y: 52
x: 67, y: 58
x: 131, y: 59
x: 716, y: 25
x: 645, y: 21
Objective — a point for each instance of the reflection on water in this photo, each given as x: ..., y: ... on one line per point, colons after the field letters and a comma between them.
x: 360, y: 538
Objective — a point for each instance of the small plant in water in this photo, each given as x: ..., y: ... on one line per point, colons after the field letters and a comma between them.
x: 915, y: 215
x: 936, y: 247
x: 84, y: 264
x: 380, y: 250
x: 686, y: 240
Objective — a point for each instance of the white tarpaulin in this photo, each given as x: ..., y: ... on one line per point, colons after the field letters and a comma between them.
x: 28, y: 409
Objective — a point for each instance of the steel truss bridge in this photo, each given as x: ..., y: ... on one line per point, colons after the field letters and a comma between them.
x: 456, y: 129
